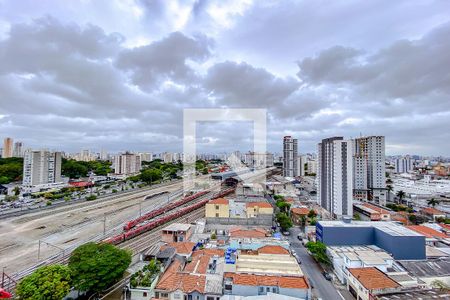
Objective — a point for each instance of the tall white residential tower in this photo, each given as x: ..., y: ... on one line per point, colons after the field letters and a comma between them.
x: 369, y: 169
x: 335, y: 176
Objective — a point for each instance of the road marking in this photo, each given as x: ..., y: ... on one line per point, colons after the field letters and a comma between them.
x: 340, y: 294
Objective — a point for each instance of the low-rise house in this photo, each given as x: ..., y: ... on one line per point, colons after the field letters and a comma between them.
x: 238, y: 232
x: 200, y: 278
x: 254, y: 284
x: 433, y: 213
x: 176, y: 232
x: 297, y: 213
x: 255, y: 209
x: 365, y: 283
x: 217, y: 208
x: 370, y: 212
x: 181, y: 248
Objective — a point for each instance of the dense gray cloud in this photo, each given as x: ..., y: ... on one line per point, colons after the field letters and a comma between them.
x: 163, y: 60
x: 118, y: 74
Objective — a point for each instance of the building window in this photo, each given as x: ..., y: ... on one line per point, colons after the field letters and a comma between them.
x: 144, y: 294
x: 217, y: 206
x: 217, y: 215
x: 261, y: 289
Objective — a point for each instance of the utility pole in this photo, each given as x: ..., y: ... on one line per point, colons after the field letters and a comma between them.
x: 104, y: 224
x: 48, y: 244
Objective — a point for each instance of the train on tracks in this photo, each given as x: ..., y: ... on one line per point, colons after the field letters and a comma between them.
x: 133, y: 232
x: 156, y: 212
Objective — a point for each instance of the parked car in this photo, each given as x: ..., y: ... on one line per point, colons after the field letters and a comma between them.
x: 327, y: 276
x: 285, y: 233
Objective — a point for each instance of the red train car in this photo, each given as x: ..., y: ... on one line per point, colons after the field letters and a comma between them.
x: 154, y: 213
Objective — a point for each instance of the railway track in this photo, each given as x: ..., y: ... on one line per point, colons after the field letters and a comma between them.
x: 63, y: 256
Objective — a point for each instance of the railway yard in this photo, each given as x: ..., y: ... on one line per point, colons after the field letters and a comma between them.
x: 49, y: 236
x: 53, y: 232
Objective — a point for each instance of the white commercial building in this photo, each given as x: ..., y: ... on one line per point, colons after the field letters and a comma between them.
x: 290, y: 157
x: 127, y: 164
x: 403, y: 165
x: 369, y: 170
x: 41, y: 168
x: 335, y: 176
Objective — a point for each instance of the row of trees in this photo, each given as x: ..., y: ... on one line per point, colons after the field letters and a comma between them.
x: 11, y: 169
x: 76, y: 169
x: 92, y: 268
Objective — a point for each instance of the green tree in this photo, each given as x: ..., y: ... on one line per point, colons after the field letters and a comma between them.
x: 400, y: 194
x: 47, y: 283
x: 283, y: 206
x: 95, y: 267
x: 151, y: 175
x: 433, y: 202
x: 284, y: 220
x: 318, y: 251
x: 357, y: 217
x: 312, y: 213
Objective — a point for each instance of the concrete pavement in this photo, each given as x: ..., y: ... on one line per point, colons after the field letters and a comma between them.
x: 322, y: 288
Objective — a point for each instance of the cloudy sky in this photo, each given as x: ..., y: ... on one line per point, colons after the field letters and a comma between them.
x: 117, y: 74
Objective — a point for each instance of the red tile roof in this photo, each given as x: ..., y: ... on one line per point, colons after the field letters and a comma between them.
x: 248, y: 233
x: 427, y: 231
x: 218, y: 201
x: 266, y: 280
x: 190, y: 277
x: 376, y: 208
x: 272, y: 250
x: 259, y: 204
x: 432, y: 211
x: 180, y: 247
x: 372, y: 278
x: 302, y: 211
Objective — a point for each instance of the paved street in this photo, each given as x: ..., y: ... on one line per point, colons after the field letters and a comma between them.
x: 323, y: 288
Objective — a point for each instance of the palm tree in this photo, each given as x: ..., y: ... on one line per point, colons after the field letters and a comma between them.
x: 389, y: 190
x: 400, y: 195
x: 389, y: 181
x: 433, y: 202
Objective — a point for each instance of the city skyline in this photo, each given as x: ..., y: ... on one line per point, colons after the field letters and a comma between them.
x: 82, y: 78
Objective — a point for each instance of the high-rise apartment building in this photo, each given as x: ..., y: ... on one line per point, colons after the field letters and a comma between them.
x: 403, y: 165
x: 7, y: 148
x: 146, y: 156
x: 301, y: 164
x: 334, y: 176
x: 290, y: 156
x: 127, y: 164
x: 41, y: 168
x: 369, y: 169
x: 18, y: 152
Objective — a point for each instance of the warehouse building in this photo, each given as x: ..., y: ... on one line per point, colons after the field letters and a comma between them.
x: 401, y: 242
